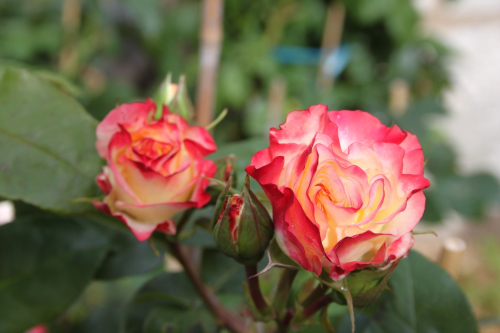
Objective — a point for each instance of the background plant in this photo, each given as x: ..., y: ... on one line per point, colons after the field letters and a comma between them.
x: 121, y: 50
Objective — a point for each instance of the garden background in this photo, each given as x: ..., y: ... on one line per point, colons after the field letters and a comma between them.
x: 429, y: 66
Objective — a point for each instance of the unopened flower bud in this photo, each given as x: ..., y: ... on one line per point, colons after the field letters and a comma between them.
x: 175, y: 97
x: 225, y: 175
x: 243, y: 227
x: 225, y: 169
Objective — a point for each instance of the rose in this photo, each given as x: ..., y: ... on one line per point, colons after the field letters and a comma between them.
x: 155, y: 167
x: 346, y: 190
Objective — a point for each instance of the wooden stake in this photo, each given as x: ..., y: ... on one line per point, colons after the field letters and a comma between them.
x: 399, y: 97
x: 276, y: 101
x: 71, y: 18
x: 211, y: 39
x: 332, y: 35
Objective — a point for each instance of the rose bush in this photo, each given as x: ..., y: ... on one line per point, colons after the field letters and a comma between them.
x: 346, y: 190
x: 155, y: 167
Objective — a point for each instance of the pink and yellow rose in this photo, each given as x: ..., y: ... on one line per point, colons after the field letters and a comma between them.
x: 346, y: 190
x: 155, y: 168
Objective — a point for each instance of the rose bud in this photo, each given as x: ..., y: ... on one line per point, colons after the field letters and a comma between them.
x: 176, y: 97
x: 224, y: 174
x: 243, y: 228
x: 155, y: 167
x: 225, y: 169
x: 346, y: 190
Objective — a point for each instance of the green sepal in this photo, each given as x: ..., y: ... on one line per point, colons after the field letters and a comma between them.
x: 175, y: 97
x: 219, y: 205
x: 364, y: 285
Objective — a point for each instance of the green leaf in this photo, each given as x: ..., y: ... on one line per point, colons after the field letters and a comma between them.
x: 325, y: 320
x: 172, y: 319
x: 434, y: 208
x: 423, y: 298
x: 163, y: 303
x: 58, y: 80
x: 101, y: 307
x: 369, y: 11
x: 401, y: 21
x: 45, y: 263
x: 223, y: 274
x: 46, y: 143
x: 470, y: 195
x: 200, y: 237
x: 126, y: 256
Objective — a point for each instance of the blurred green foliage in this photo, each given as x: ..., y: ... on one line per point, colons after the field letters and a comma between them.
x: 483, y: 289
x: 121, y: 50
x: 109, y: 51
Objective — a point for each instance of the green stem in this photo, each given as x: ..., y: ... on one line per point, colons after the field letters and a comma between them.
x: 254, y: 288
x: 350, y: 305
x: 284, y: 287
x: 217, y: 120
x: 232, y: 322
x: 223, y: 185
x: 284, y: 322
x: 184, y: 219
x: 316, y: 306
x: 319, y: 291
x: 281, y: 297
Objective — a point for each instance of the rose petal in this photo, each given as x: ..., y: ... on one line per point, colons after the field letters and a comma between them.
x: 414, y: 162
x: 167, y: 227
x: 103, y: 182
x: 261, y: 158
x: 296, y: 235
x: 208, y: 169
x: 405, y: 221
x: 141, y: 231
x: 199, y: 141
x: 152, y: 214
x: 312, y: 121
x: 358, y: 127
x: 400, y: 247
x: 123, y: 114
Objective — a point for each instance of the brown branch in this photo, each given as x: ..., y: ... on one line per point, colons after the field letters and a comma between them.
x: 228, y: 319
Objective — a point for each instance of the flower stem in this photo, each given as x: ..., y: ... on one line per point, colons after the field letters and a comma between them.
x: 319, y: 291
x: 281, y: 297
x: 255, y: 292
x: 228, y: 319
x: 284, y: 287
x: 184, y: 219
x: 315, y: 306
x: 283, y: 323
x: 223, y: 185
